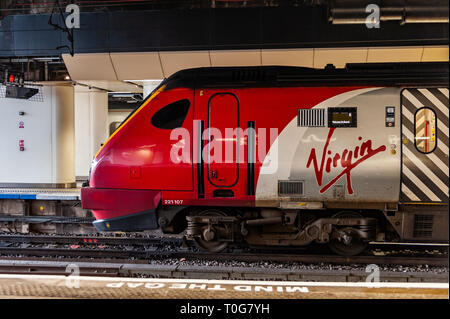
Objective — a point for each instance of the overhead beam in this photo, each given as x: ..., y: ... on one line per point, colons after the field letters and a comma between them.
x: 208, y: 30
x: 158, y: 65
x: 401, y: 11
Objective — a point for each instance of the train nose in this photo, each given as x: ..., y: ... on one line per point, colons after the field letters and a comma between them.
x: 121, y: 209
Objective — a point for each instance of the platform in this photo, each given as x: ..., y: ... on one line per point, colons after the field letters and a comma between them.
x: 41, y: 193
x: 48, y: 286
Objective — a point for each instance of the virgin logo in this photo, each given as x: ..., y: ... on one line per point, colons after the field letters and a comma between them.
x: 347, y: 160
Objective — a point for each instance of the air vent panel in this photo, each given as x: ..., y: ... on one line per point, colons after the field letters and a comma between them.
x: 288, y: 188
x: 311, y: 118
x: 249, y: 75
x: 423, y: 226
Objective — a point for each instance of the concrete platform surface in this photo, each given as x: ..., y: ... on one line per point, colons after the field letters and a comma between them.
x: 49, y: 286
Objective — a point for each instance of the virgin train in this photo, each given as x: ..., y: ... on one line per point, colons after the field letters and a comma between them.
x: 282, y: 156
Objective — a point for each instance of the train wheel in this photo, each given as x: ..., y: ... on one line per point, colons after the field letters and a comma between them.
x: 211, y: 234
x: 346, y: 241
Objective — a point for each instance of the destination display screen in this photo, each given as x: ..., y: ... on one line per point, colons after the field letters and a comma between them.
x: 342, y: 117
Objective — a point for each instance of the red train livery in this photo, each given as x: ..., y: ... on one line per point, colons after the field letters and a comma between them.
x: 282, y: 156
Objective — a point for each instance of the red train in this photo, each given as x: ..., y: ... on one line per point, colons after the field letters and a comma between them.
x: 282, y: 156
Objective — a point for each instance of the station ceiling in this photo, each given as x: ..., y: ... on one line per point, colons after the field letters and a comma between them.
x: 264, y: 28
x: 115, y: 47
x: 108, y: 69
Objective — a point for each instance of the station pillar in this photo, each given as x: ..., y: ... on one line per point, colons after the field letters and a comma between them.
x: 91, y: 127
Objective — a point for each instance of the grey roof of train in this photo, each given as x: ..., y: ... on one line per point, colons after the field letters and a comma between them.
x: 383, y: 74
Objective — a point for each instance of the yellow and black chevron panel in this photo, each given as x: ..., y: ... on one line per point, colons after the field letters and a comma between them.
x: 425, y: 147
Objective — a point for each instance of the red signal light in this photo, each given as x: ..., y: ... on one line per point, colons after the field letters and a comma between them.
x: 11, y: 78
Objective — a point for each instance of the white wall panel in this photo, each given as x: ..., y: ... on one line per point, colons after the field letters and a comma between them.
x: 339, y: 56
x: 91, y: 126
x: 176, y: 61
x: 63, y: 133
x: 116, y: 117
x: 298, y: 57
x: 131, y: 66
x: 48, y: 134
x: 90, y: 66
x: 398, y: 54
x: 148, y: 87
x: 435, y: 54
x: 236, y: 58
x: 83, y: 151
x: 109, y: 68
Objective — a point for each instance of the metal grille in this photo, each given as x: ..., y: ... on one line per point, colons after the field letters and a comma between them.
x: 311, y: 117
x: 423, y: 226
x: 249, y: 75
x: 38, y: 97
x: 290, y: 187
x: 40, y: 190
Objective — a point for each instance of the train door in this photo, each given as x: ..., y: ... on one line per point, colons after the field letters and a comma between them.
x: 222, y: 144
x: 425, y: 150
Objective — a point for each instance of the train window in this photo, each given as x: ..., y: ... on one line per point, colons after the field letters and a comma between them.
x: 172, y: 115
x: 425, y: 130
x: 113, y: 126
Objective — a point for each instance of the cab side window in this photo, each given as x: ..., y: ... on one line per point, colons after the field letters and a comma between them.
x: 172, y: 115
x: 425, y: 130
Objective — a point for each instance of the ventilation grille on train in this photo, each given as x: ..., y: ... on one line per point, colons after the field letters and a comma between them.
x: 423, y: 226
x: 290, y: 188
x: 311, y: 117
x: 249, y: 75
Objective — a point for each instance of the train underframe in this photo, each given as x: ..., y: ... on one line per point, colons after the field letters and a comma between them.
x: 345, y: 231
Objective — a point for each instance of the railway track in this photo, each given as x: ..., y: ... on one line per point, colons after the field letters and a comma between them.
x: 183, y: 270
x: 88, y: 240
x: 241, y: 257
x: 149, y: 248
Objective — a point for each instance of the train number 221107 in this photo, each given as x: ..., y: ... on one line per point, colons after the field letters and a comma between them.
x: 173, y: 202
